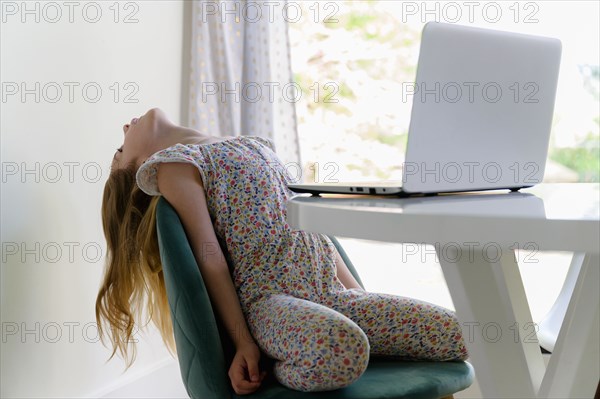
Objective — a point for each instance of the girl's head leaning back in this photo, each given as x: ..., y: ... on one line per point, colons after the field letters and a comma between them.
x: 133, y: 274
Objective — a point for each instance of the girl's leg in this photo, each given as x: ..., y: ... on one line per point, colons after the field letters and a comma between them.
x: 315, y: 347
x: 400, y: 326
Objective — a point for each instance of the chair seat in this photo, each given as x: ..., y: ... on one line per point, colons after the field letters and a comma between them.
x: 386, y: 378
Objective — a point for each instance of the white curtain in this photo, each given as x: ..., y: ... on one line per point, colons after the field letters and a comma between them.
x: 240, y: 75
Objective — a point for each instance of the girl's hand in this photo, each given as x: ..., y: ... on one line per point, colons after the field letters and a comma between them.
x: 244, y: 373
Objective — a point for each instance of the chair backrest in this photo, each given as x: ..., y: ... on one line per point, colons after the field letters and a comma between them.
x: 194, y: 324
x: 204, y: 349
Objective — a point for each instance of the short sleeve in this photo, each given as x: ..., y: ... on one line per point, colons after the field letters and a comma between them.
x: 146, y: 176
x: 265, y: 141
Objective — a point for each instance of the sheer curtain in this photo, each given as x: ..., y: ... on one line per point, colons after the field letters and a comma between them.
x: 240, y: 75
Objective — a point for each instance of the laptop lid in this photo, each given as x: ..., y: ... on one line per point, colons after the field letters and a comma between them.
x: 482, y: 109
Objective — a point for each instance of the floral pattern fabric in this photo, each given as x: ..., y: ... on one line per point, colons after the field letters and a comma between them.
x: 299, y: 313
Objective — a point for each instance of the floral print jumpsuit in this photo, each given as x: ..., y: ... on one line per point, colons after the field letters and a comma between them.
x: 298, y: 312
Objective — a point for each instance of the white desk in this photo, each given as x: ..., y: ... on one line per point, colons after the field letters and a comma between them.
x: 474, y: 235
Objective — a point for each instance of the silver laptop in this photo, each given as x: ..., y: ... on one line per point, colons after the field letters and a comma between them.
x: 481, y: 115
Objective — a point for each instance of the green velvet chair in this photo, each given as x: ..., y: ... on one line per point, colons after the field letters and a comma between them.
x: 205, y: 350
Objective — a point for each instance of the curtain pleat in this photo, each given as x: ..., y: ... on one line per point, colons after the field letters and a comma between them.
x: 241, y: 80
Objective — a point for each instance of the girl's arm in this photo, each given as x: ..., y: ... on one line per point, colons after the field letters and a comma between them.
x: 181, y: 186
x: 344, y: 274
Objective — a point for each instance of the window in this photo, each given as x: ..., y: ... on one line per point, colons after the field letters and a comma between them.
x: 351, y: 58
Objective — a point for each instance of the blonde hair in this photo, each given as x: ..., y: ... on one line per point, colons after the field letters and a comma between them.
x: 133, y: 275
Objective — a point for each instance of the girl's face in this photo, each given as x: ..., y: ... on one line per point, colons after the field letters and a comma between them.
x: 138, y: 135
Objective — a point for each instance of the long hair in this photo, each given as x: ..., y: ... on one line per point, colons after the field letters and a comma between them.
x: 133, y: 275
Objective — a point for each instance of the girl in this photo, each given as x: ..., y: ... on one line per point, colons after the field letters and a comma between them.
x: 290, y: 295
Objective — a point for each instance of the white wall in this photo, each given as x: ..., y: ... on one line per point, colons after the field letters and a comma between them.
x: 48, y: 293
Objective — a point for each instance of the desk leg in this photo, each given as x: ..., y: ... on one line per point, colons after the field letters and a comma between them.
x: 489, y: 297
x: 550, y: 326
x: 574, y: 367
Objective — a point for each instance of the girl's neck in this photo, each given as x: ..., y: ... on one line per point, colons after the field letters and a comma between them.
x: 173, y: 134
